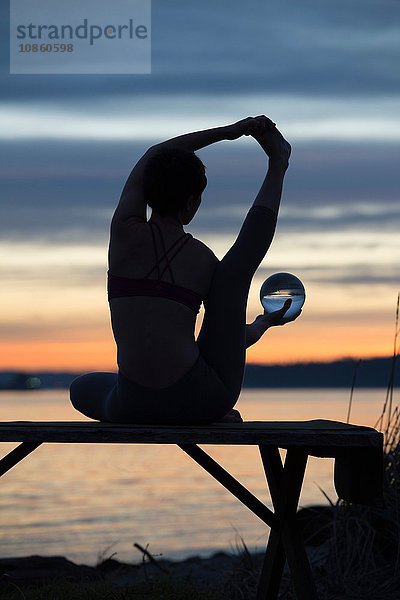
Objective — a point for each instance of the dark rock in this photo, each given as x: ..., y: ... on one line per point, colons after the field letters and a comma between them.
x: 30, y: 570
x: 38, y: 569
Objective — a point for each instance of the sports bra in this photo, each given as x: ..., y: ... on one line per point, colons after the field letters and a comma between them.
x: 122, y: 287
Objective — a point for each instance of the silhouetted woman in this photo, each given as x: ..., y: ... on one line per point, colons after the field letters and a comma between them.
x: 159, y: 275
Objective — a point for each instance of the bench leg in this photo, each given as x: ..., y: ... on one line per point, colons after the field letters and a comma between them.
x: 16, y: 455
x: 230, y: 483
x: 285, y: 541
x: 272, y: 570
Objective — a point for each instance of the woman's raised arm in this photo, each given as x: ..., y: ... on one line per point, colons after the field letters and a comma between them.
x: 200, y: 139
x: 132, y: 205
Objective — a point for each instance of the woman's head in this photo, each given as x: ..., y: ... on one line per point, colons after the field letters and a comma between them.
x: 172, y: 178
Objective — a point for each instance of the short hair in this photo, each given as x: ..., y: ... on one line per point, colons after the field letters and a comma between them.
x: 170, y: 177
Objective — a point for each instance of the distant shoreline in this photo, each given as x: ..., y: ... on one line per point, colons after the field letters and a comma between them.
x: 369, y: 373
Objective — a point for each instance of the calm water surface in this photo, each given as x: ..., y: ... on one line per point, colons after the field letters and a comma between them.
x: 77, y: 500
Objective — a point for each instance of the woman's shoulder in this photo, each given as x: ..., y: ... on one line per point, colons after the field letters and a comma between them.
x: 203, y: 257
x: 204, y: 251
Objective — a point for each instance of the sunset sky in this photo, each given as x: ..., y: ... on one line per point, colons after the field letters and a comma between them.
x: 326, y: 72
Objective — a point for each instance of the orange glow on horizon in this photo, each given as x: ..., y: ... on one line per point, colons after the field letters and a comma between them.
x: 313, y: 342
x: 302, y: 342
x: 97, y: 355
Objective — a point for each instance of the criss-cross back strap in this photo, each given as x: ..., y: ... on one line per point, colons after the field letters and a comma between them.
x: 185, y: 239
x: 157, y: 265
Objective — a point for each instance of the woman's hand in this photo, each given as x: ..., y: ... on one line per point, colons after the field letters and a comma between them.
x: 263, y: 130
x: 277, y: 317
x: 249, y: 126
x: 263, y: 322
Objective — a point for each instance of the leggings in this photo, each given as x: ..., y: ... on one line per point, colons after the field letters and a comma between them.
x: 213, y: 384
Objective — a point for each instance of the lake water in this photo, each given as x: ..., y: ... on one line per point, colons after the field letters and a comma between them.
x: 77, y: 500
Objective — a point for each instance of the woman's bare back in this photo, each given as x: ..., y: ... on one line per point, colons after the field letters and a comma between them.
x: 155, y: 335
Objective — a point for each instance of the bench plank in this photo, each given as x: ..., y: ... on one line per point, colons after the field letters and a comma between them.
x: 321, y: 437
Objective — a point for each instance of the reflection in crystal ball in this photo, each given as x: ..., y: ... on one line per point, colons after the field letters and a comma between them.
x: 278, y: 288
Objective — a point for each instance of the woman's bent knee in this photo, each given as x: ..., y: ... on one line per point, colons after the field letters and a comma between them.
x: 80, y: 387
x: 90, y: 391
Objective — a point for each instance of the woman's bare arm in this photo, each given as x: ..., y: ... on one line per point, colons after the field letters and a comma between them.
x: 132, y: 205
x: 200, y: 139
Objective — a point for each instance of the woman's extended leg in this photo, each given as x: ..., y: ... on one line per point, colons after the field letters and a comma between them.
x: 90, y: 394
x: 222, y: 338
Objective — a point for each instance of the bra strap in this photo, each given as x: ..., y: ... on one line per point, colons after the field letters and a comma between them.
x: 155, y: 253
x: 164, y: 256
x: 187, y: 238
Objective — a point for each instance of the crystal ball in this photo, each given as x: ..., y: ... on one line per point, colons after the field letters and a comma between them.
x: 278, y: 288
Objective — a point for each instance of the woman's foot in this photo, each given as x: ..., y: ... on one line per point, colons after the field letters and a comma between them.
x: 233, y: 416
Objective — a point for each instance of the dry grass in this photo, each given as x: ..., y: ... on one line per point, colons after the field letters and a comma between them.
x: 61, y: 589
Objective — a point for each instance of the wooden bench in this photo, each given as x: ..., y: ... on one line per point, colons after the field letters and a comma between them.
x: 358, y: 454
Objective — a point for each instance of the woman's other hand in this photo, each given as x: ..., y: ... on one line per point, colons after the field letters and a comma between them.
x: 263, y: 322
x: 272, y: 141
x: 277, y: 317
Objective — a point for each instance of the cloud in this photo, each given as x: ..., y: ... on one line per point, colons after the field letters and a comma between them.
x: 151, y: 118
x: 361, y: 274
x: 328, y: 74
x: 65, y: 192
x: 333, y: 48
